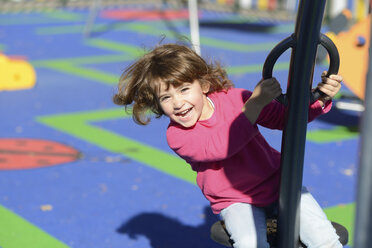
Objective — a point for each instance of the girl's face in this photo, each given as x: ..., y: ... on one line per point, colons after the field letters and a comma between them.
x: 185, y: 104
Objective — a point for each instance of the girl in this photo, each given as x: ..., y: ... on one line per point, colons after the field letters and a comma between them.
x: 213, y: 126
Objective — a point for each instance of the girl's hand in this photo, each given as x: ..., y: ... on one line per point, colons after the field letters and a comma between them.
x: 266, y: 90
x: 329, y: 86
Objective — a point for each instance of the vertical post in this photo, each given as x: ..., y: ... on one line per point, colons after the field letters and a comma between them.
x: 360, y: 9
x: 290, y: 5
x: 307, y: 35
x: 335, y: 7
x: 93, y: 11
x: 194, y: 25
x: 363, y: 221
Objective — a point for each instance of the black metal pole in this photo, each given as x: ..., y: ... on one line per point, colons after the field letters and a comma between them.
x: 307, y: 33
x: 363, y: 221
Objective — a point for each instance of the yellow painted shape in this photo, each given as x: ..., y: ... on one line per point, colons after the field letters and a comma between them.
x: 263, y: 4
x: 16, y: 74
x: 360, y: 10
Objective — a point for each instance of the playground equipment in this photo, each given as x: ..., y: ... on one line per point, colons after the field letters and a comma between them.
x: 194, y: 25
x: 220, y: 235
x: 353, y: 45
x: 352, y: 40
x: 363, y: 221
x: 16, y: 74
x: 290, y: 42
x: 304, y: 44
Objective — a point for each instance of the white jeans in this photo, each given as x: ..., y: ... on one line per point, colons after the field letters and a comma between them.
x: 246, y: 225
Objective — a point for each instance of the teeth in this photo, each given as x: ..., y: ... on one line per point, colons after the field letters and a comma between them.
x: 184, y: 112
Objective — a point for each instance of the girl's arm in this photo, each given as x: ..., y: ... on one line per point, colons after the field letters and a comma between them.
x: 272, y: 116
x: 264, y: 93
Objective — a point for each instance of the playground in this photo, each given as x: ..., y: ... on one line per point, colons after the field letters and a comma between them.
x: 76, y: 171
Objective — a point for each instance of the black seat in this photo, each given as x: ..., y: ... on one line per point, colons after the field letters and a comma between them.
x: 220, y: 235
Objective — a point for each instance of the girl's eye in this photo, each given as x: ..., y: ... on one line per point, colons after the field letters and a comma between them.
x: 164, y: 98
x: 185, y: 89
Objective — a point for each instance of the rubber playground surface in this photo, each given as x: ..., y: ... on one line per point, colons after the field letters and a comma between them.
x: 75, y: 169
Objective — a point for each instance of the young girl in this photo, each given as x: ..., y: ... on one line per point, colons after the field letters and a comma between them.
x: 213, y: 126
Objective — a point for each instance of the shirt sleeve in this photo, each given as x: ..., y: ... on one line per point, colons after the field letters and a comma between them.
x: 273, y: 115
x: 316, y: 109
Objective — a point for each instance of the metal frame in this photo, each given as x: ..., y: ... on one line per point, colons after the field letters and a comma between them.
x: 307, y: 34
x: 363, y: 220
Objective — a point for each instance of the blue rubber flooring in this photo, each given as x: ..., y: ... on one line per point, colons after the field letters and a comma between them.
x: 109, y: 197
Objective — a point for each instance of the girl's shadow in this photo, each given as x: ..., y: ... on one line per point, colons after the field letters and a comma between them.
x: 166, y: 232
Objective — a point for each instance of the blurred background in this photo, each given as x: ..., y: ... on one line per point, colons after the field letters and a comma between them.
x: 75, y: 171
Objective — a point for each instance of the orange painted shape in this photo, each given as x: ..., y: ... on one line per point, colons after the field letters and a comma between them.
x: 147, y: 15
x: 354, y: 58
x: 23, y: 153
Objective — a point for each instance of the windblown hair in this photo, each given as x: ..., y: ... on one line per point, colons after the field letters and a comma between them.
x: 172, y: 64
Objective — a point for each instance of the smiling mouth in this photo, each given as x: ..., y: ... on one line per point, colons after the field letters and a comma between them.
x: 184, y: 113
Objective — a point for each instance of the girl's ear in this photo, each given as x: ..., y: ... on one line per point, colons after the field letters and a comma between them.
x: 205, y: 87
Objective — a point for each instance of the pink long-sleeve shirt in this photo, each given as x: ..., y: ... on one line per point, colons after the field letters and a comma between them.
x: 233, y: 161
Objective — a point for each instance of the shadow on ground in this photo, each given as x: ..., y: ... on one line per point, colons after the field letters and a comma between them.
x: 243, y: 26
x: 349, y: 119
x: 166, y: 232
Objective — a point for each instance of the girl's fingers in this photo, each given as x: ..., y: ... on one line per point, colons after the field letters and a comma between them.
x: 335, y: 81
x: 329, y: 89
x: 338, y: 78
x: 271, y: 87
x: 326, y: 91
x: 335, y: 77
x: 330, y: 84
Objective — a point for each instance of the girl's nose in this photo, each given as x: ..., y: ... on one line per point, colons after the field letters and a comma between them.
x: 177, y: 103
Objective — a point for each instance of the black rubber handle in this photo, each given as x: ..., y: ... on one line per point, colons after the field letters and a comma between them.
x: 279, y: 49
x: 290, y: 42
x: 334, y: 63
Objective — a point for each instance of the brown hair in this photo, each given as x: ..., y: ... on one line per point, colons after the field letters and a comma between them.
x: 172, y: 64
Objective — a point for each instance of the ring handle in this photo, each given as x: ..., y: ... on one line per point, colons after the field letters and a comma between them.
x: 279, y: 49
x: 290, y: 42
x: 334, y: 64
